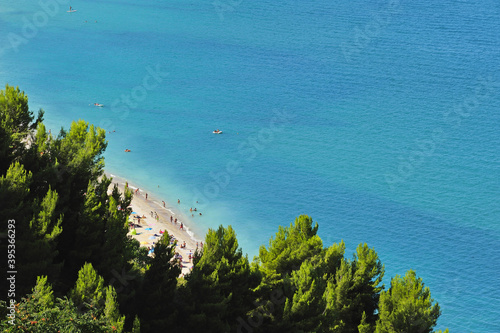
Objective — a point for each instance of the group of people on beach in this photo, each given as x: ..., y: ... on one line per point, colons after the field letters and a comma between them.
x: 193, y: 210
x: 137, y: 191
x: 155, y: 216
x: 173, y: 220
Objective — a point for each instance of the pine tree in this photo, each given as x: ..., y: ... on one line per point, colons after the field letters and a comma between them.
x: 37, y: 247
x: 14, y: 191
x: 136, y: 327
x: 37, y: 226
x: 89, y: 288
x: 117, y: 246
x: 302, y: 310
x: 222, y: 282
x: 43, y: 293
x: 111, y: 312
x: 41, y: 312
x: 407, y: 307
x: 339, y: 304
x: 368, y: 274
x: 352, y: 296
x: 90, y: 230
x: 156, y: 297
x: 79, y: 164
x: 305, y: 310
x: 364, y: 327
x: 290, y: 247
x: 15, y: 123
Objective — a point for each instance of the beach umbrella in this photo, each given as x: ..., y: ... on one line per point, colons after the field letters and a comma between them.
x: 148, y: 229
x: 152, y: 237
x: 133, y: 213
x: 144, y: 243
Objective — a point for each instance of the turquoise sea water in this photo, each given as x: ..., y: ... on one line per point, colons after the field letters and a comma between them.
x: 379, y: 120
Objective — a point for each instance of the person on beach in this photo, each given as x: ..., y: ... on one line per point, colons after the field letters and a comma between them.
x: 200, y: 214
x: 191, y: 209
x: 146, y: 196
x: 182, y: 226
x: 178, y: 201
x: 171, y: 218
x: 195, y: 209
x: 175, y: 221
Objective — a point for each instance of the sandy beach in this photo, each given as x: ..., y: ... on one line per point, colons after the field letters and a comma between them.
x: 155, y: 219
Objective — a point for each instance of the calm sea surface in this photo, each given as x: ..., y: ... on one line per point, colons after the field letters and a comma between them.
x: 379, y: 120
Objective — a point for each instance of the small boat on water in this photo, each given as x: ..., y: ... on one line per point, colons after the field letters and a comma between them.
x: 71, y: 10
x: 217, y: 131
x: 99, y: 105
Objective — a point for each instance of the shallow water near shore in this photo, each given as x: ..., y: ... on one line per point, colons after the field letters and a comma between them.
x: 379, y: 120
